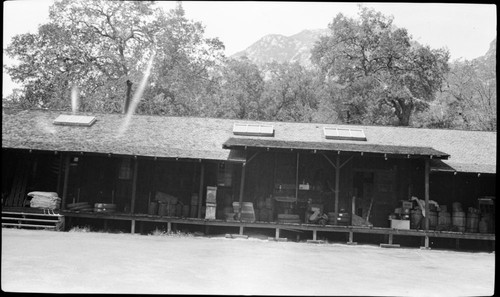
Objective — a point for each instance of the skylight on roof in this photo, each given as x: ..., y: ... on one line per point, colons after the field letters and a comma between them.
x: 344, y: 133
x: 74, y: 120
x: 253, y: 129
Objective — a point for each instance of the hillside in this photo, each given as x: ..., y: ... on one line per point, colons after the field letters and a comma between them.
x: 280, y: 48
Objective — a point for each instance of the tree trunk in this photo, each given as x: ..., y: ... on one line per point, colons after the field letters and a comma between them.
x: 127, y: 98
x: 403, y: 110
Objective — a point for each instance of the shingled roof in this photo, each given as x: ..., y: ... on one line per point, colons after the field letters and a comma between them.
x: 203, y: 138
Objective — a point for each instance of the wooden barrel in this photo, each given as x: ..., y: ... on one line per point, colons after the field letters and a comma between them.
x: 194, y: 199
x: 257, y: 214
x: 185, y: 211
x: 415, y: 219
x: 264, y: 214
x: 269, y: 202
x: 458, y: 220
x: 163, y: 209
x: 331, y: 218
x: 444, y: 219
x: 483, y: 226
x: 178, y: 210
x: 171, y: 210
x: 193, y: 213
x: 472, y: 222
x: 433, y: 220
x: 153, y: 208
x: 456, y: 207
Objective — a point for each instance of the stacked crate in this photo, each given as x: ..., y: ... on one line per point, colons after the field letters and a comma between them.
x: 211, y: 203
x: 193, y: 213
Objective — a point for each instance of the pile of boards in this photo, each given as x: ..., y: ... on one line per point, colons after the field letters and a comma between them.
x: 45, y: 200
x: 87, y: 207
x: 288, y: 218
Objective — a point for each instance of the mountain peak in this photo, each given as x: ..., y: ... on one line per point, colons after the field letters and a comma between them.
x: 280, y: 48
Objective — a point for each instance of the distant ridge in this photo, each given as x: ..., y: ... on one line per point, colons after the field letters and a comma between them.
x: 280, y: 48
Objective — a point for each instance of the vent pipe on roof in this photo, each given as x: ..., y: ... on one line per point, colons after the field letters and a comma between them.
x: 127, y: 98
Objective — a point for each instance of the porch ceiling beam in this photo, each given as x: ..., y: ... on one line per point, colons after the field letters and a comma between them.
x: 345, y: 162
x: 330, y: 161
x: 253, y: 156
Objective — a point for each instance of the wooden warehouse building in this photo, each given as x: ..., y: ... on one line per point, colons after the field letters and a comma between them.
x: 363, y: 177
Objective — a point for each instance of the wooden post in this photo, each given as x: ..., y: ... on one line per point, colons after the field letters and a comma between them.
x: 297, y: 179
x: 353, y: 208
x: 59, y: 175
x: 200, y: 193
x: 242, y: 186
x: 169, y: 227
x: 314, y: 235
x: 277, y: 233
x: 351, y: 236
x: 337, y: 185
x: 65, y: 185
x: 426, y: 242
x: 241, y: 230
x: 132, y: 227
x: 390, y: 239
x: 427, y: 170
x: 134, y: 186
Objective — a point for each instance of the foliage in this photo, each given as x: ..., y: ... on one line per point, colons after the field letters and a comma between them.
x: 367, y: 71
x: 241, y: 87
x: 472, y: 88
x: 377, y: 68
x: 103, y: 46
x: 290, y: 93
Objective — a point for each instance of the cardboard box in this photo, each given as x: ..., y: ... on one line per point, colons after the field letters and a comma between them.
x: 400, y: 224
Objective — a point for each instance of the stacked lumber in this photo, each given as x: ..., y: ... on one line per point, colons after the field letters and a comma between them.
x: 284, y: 218
x: 45, y: 200
x: 80, y: 206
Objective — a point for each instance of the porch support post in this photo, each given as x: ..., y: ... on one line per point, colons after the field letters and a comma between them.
x: 169, y: 227
x: 277, y: 235
x: 59, y: 175
x: 65, y: 186
x: 134, y: 193
x: 390, y: 238
x: 427, y: 170
x: 200, y: 192
x: 297, y: 179
x: 132, y: 227
x: 351, y: 235
x: 241, y: 230
x: 315, y: 234
x: 337, y: 184
x: 242, y: 187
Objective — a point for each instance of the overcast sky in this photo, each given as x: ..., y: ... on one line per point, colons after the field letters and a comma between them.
x: 465, y: 29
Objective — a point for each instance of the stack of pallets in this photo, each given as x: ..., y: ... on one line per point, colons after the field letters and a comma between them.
x: 32, y: 218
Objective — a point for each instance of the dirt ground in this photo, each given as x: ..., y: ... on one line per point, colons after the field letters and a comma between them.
x: 91, y: 262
